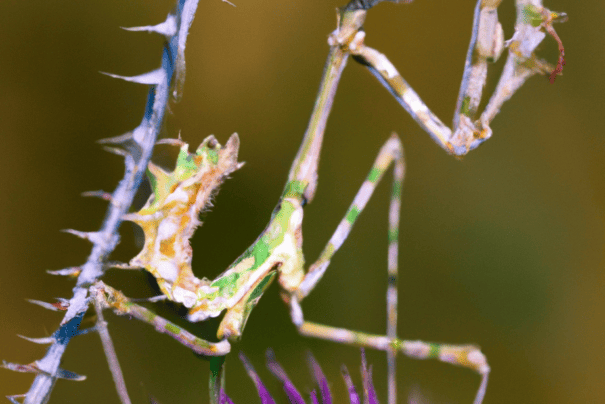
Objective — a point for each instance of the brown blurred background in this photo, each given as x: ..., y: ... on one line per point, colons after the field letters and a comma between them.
x: 503, y: 249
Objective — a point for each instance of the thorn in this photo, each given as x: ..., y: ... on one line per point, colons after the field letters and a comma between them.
x: 122, y: 139
x: 173, y: 142
x: 34, y: 368
x: 121, y: 265
x: 66, y: 374
x: 72, y: 271
x: 152, y: 299
x: 106, y: 196
x: 115, y: 150
x: 13, y: 399
x: 16, y: 367
x: 151, y: 78
x: 86, y: 330
x: 61, y: 305
x: 166, y: 28
x: 92, y: 236
x: 42, y: 341
x: 158, y: 298
x: 127, y: 143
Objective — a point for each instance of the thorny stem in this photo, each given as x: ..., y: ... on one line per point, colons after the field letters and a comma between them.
x: 110, y: 353
x: 107, y: 238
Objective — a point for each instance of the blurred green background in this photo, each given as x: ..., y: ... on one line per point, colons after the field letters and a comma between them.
x: 503, y: 249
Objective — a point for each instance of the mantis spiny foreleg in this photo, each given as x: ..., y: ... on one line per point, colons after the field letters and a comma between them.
x: 168, y: 220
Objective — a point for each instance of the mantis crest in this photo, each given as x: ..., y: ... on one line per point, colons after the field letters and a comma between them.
x: 170, y: 216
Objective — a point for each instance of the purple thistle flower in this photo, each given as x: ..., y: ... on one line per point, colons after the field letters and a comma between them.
x: 368, y: 386
x: 223, y: 398
x: 353, y: 396
x: 265, y: 397
x: 294, y: 395
x: 320, y: 379
x: 279, y: 372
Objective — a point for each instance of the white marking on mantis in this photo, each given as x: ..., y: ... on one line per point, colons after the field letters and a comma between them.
x: 391, y: 294
x: 417, y: 349
x: 392, y: 255
x: 364, y: 194
x: 167, y: 270
x: 297, y: 218
x: 394, y: 208
x: 476, y: 357
x: 179, y: 195
x: 296, y: 312
x: 341, y: 234
x: 381, y: 62
x: 357, y: 41
x: 184, y: 296
x: 167, y: 229
x: 311, y: 279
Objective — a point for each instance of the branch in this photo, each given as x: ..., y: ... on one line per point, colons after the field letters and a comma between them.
x: 137, y: 148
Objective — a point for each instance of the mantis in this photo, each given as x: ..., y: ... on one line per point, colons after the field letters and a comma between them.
x: 170, y: 216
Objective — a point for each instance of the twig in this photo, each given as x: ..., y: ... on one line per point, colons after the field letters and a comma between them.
x: 110, y: 354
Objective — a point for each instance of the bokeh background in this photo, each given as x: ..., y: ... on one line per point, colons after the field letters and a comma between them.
x: 503, y: 249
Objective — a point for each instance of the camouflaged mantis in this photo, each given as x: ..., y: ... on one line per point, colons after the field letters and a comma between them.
x: 170, y: 216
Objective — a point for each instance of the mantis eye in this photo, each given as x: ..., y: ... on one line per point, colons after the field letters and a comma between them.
x: 212, y: 143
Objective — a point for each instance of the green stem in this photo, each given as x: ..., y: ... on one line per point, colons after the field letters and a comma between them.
x: 216, y: 381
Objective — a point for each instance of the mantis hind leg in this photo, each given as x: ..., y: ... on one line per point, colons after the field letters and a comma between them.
x: 468, y: 356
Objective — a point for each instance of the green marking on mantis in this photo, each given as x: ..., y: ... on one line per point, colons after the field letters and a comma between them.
x: 396, y: 190
x: 213, y: 156
x: 150, y: 316
x: 374, y: 174
x: 153, y: 182
x: 393, y: 235
x: 173, y: 328
x: 228, y: 282
x: 466, y: 106
x: 262, y: 251
x: 434, y: 351
x: 352, y: 214
x: 532, y: 16
x: 185, y: 162
x: 260, y: 288
x: 294, y: 189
